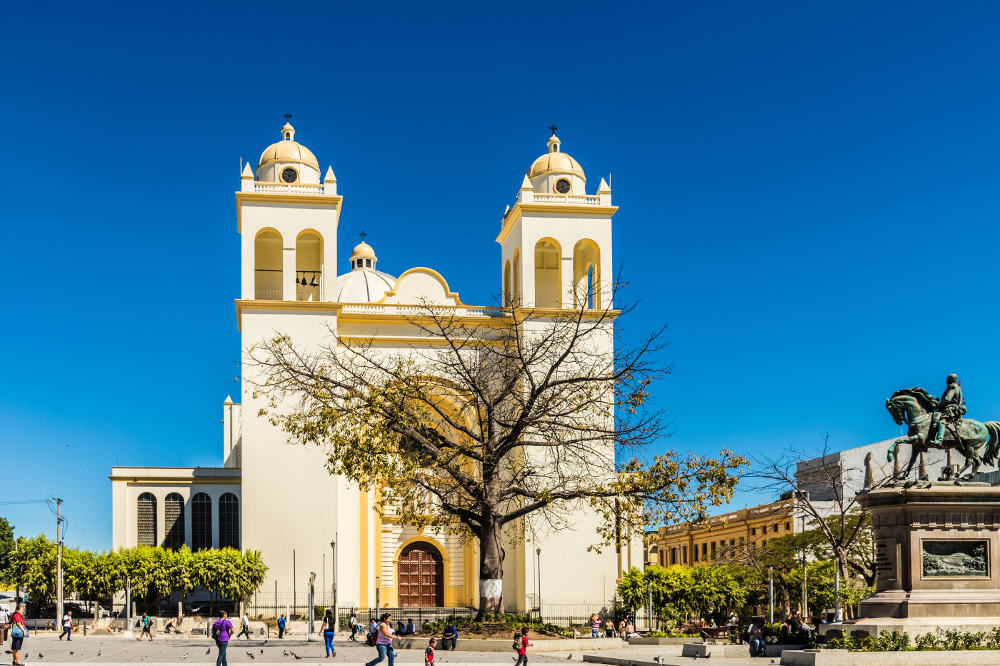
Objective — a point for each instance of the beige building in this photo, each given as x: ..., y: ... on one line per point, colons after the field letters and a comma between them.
x: 715, y: 540
x: 267, y: 495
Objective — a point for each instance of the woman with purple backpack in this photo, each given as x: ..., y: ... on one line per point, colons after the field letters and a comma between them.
x: 222, y: 630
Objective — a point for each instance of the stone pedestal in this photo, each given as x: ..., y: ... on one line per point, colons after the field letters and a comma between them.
x: 937, y: 552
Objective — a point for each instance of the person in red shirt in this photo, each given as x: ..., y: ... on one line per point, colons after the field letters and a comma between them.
x: 522, y: 648
x: 18, y: 633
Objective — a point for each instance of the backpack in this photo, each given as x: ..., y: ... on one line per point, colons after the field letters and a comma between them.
x: 216, y: 629
x: 281, y: 622
x: 517, y: 641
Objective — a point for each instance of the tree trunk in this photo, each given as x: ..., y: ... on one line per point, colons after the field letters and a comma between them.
x: 490, y: 570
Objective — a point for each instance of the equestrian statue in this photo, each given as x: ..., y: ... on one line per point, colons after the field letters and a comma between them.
x: 938, y: 424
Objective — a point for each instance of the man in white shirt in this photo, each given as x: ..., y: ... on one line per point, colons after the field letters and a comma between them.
x: 4, y: 625
x: 67, y: 626
x: 245, y: 629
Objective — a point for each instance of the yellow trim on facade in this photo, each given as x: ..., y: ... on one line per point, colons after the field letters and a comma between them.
x: 519, y: 209
x: 378, y: 557
x: 363, y: 568
x: 318, y: 200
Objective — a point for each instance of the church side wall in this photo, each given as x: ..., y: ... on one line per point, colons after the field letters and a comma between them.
x: 291, y: 508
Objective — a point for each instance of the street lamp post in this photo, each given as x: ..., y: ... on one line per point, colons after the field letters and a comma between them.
x: 838, y: 615
x: 128, y: 608
x: 538, y: 561
x: 770, y: 594
x: 333, y: 564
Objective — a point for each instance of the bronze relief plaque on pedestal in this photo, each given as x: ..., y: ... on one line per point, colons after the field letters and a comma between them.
x: 955, y: 558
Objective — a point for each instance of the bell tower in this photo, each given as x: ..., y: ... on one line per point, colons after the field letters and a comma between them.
x: 556, y: 240
x: 287, y: 217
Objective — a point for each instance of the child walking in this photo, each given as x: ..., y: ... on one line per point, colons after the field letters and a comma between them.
x: 522, y: 648
x: 429, y: 652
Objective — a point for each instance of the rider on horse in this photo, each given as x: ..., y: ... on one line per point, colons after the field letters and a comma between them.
x: 949, y: 412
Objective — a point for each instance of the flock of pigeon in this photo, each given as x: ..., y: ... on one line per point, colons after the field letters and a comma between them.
x: 186, y: 655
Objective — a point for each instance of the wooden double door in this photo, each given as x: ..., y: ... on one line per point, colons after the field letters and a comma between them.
x: 421, y: 576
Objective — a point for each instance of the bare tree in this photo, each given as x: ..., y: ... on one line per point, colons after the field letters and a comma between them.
x: 523, y: 413
x: 825, y: 492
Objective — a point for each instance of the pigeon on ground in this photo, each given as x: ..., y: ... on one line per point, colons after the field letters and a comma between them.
x: 41, y: 656
x: 208, y: 651
x: 249, y: 654
x: 262, y: 651
x: 71, y: 652
x: 99, y: 653
x: 284, y: 652
x: 185, y: 655
x: 295, y: 655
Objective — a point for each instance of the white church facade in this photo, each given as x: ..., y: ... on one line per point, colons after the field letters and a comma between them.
x: 555, y: 244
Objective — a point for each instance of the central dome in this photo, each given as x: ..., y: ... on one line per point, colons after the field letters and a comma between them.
x: 288, y: 150
x: 554, y: 162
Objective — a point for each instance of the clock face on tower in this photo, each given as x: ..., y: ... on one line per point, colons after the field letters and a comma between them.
x: 289, y: 175
x: 562, y: 186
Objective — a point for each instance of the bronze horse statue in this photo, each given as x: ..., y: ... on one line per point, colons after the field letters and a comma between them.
x: 978, y: 442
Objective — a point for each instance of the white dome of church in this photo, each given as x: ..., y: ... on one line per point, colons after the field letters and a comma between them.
x: 288, y: 160
x: 555, y: 162
x: 363, y: 284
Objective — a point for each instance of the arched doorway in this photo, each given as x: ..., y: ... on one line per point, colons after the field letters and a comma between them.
x: 421, y: 576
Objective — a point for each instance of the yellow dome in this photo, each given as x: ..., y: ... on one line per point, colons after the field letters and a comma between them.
x: 362, y: 251
x: 555, y: 161
x: 288, y: 150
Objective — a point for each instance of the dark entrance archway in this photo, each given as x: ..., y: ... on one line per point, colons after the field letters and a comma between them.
x: 421, y: 576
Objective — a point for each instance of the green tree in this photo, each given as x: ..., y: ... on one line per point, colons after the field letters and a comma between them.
x: 632, y: 590
x: 672, y: 593
x: 505, y: 425
x: 33, y: 564
x: 716, y: 592
x: 7, y: 545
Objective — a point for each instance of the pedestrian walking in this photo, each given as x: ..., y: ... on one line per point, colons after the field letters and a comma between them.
x: 429, y: 652
x: 522, y: 645
x: 329, y: 625
x: 67, y: 626
x: 281, y: 626
x: 4, y: 625
x: 244, y: 626
x: 18, y: 633
x: 222, y: 629
x: 354, y: 625
x: 147, y: 627
x: 383, y: 641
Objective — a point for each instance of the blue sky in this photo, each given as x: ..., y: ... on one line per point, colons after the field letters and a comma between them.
x: 808, y: 192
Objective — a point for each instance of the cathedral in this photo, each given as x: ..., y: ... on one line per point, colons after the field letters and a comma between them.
x: 278, y: 498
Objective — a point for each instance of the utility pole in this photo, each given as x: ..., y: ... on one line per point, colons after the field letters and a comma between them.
x: 59, y: 576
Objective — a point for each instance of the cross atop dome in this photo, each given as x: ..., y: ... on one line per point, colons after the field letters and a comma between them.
x: 288, y: 132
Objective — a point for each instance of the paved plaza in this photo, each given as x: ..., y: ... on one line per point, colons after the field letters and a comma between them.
x: 47, y: 649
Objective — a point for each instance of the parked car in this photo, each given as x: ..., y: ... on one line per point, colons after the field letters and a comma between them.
x: 49, y: 612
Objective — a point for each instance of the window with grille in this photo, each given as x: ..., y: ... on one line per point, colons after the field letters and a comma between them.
x: 229, y: 521
x: 201, y: 522
x: 146, y: 520
x: 173, y: 518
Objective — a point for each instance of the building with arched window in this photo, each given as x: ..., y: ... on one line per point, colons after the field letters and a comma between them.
x: 268, y: 495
